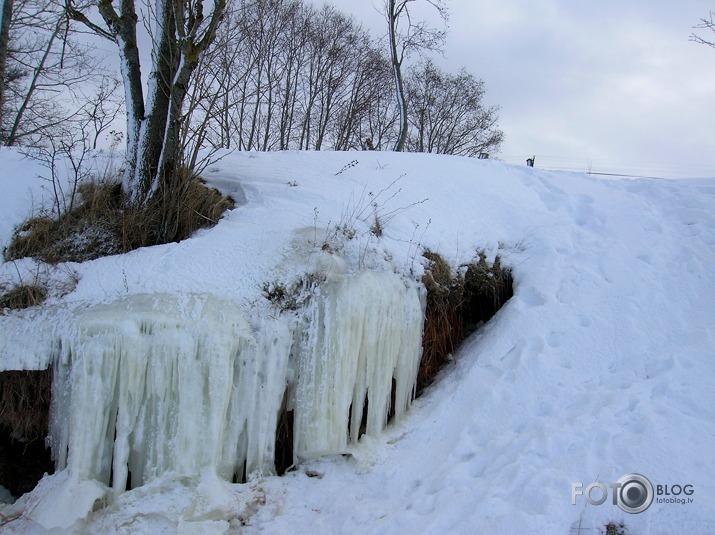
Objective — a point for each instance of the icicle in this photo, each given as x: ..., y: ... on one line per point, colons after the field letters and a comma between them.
x: 361, y: 332
x: 157, y: 384
x: 181, y: 385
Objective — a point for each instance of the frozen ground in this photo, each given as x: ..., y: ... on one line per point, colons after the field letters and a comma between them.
x: 600, y: 365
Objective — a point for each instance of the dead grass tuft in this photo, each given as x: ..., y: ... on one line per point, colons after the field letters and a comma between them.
x: 102, y: 224
x: 442, y: 328
x: 24, y: 415
x: 33, y: 235
x: 23, y: 296
x: 25, y: 402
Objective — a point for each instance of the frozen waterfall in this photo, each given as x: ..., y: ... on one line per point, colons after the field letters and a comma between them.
x: 139, y: 388
x: 362, y: 332
x: 155, y: 385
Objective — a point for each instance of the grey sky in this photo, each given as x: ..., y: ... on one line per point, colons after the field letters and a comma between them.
x: 613, y: 85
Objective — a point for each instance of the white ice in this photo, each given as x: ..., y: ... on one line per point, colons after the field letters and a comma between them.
x: 157, y: 384
x: 362, y: 331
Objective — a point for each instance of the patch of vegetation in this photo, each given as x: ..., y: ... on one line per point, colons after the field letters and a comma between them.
x: 102, y: 224
x: 25, y: 402
x: 457, y: 304
x: 23, y: 296
x: 615, y: 528
x: 294, y: 295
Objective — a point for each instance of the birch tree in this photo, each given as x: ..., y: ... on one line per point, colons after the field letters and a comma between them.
x: 182, y: 31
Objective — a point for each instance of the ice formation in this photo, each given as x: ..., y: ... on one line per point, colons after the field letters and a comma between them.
x: 155, y: 385
x: 142, y: 389
x: 363, y: 331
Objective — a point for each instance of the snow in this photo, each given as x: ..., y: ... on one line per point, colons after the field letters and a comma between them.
x: 599, y: 366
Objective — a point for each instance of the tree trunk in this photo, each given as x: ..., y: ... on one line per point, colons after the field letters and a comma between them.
x: 397, y: 73
x: 172, y: 182
x: 154, y: 126
x: 5, y: 18
x: 153, y: 147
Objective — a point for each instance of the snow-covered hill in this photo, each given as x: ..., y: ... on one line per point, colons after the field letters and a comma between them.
x: 601, y: 365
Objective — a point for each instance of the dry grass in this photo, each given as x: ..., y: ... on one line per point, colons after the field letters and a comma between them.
x: 442, y: 327
x: 25, y: 402
x: 487, y: 288
x: 23, y: 296
x: 35, y: 234
x: 456, y: 306
x: 173, y: 218
x: 88, y: 231
x: 24, y: 414
x: 102, y: 224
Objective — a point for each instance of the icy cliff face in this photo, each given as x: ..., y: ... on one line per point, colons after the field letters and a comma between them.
x: 155, y: 385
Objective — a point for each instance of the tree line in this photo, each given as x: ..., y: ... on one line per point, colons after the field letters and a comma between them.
x: 281, y: 74
x: 284, y: 74
x: 231, y: 74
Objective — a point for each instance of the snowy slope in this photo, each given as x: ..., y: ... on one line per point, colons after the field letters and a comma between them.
x: 601, y: 365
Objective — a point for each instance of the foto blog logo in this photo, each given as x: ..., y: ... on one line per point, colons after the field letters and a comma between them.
x: 633, y: 493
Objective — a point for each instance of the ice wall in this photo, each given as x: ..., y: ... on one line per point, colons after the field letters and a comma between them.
x: 184, y: 386
x: 362, y: 331
x: 156, y: 384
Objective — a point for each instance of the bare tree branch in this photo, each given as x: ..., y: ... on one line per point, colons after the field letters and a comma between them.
x: 705, y: 24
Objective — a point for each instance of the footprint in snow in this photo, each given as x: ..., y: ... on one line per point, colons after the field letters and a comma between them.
x: 532, y: 297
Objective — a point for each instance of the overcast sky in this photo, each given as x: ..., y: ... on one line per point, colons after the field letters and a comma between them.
x: 614, y: 85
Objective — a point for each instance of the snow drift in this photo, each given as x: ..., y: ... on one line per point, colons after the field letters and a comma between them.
x: 600, y: 365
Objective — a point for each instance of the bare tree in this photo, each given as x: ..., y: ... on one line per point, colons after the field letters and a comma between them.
x: 332, y: 60
x: 44, y: 72
x: 406, y: 36
x: 206, y: 126
x: 101, y: 108
x: 292, y: 76
x: 448, y: 116
x: 705, y: 24
x: 366, y: 116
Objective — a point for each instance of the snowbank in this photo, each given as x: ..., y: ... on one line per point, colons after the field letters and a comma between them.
x: 599, y: 366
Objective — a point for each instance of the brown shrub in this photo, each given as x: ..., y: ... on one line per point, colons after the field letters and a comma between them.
x: 24, y: 415
x: 442, y: 330
x: 34, y: 235
x: 102, y: 224
x: 25, y: 402
x: 175, y: 217
x: 456, y: 306
x: 23, y: 296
